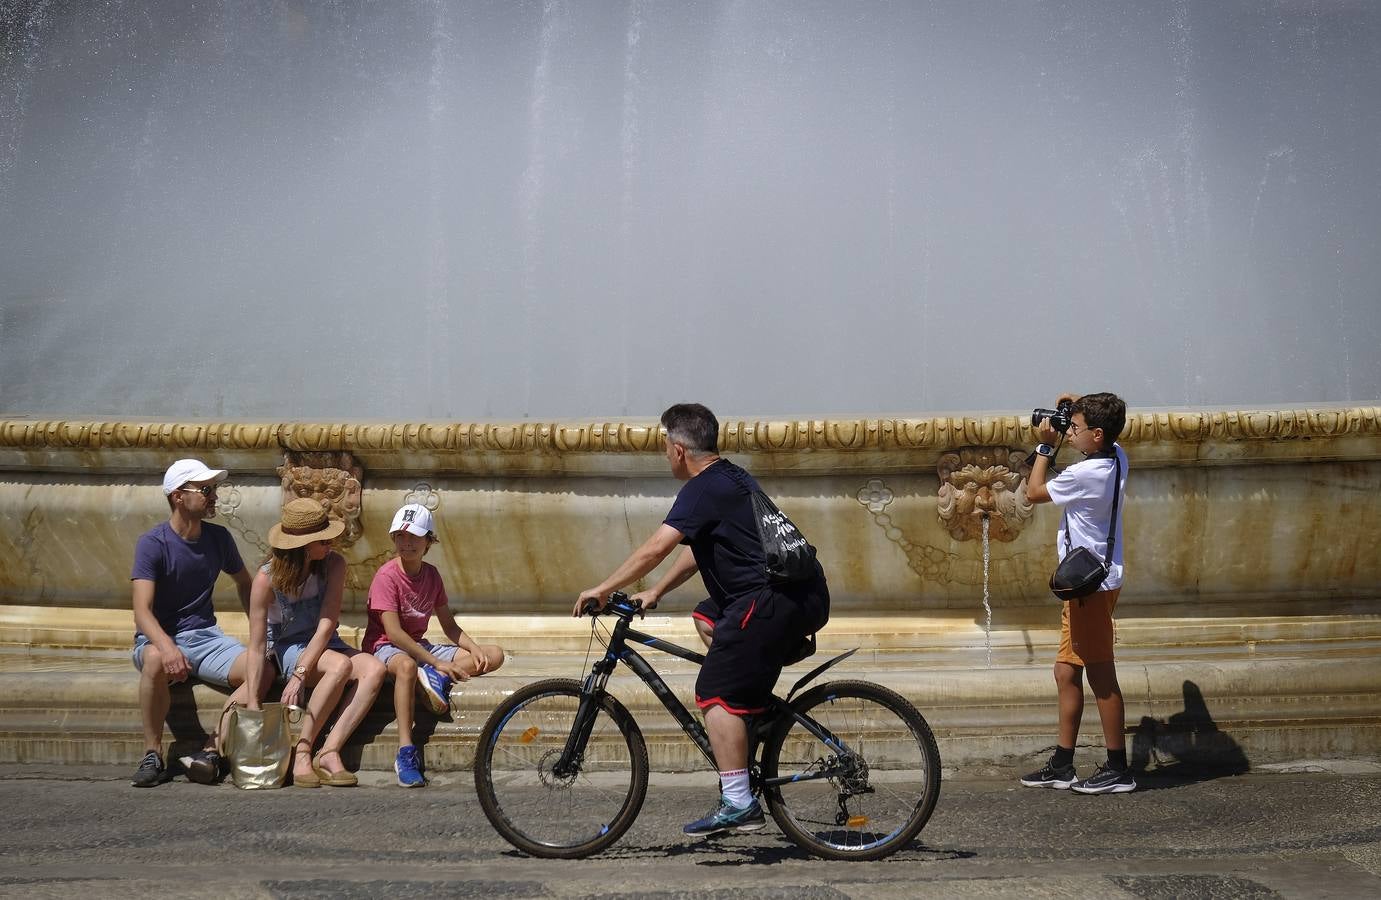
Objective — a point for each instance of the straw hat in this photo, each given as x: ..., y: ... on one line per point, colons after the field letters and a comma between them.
x: 303, y: 521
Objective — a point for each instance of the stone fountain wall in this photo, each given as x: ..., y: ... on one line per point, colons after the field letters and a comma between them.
x: 1227, y: 512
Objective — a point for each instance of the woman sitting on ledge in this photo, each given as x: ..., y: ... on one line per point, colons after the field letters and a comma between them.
x: 294, y: 605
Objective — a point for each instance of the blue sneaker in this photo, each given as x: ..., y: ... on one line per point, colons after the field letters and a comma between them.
x: 408, y: 768
x: 435, y: 689
x: 728, y: 817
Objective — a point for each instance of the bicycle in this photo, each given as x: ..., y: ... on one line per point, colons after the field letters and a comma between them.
x: 849, y: 769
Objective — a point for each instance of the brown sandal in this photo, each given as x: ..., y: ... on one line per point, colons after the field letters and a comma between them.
x: 333, y: 779
x: 306, y: 781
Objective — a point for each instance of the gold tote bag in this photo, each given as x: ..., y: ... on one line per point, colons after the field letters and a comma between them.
x: 258, y: 743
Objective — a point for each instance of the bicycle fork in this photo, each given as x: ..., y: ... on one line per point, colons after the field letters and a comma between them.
x: 591, y: 693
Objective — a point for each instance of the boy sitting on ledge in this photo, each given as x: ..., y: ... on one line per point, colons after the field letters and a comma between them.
x: 404, y: 595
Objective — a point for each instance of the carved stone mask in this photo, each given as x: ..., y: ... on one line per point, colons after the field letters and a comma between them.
x: 975, y: 481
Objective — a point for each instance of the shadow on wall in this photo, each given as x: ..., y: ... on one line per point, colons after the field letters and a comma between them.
x: 1188, y: 746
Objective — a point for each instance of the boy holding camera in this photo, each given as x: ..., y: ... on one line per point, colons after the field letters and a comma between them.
x: 1086, y: 490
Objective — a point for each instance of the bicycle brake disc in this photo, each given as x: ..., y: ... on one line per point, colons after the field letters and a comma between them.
x: 546, y: 770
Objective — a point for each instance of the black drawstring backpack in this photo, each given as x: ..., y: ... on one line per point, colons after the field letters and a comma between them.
x: 789, y: 556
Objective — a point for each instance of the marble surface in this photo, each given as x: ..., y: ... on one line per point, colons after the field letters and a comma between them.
x: 1225, y: 509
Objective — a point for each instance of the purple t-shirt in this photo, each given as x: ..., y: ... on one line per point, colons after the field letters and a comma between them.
x: 184, y: 572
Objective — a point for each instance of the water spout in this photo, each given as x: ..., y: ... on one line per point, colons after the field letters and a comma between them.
x: 987, y: 604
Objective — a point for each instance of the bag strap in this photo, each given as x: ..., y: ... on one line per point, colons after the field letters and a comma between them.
x: 1116, y: 495
x: 222, y: 733
x: 1112, y: 525
x: 736, y: 475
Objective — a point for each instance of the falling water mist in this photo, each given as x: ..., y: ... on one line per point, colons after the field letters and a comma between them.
x: 452, y: 210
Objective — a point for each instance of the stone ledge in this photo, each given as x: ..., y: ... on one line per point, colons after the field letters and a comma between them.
x: 956, y: 634
x: 1264, y: 709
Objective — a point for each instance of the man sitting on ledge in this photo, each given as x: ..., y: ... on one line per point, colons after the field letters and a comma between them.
x: 176, y: 565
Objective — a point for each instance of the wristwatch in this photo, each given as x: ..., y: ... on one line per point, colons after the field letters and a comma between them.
x: 300, y: 672
x: 1045, y: 450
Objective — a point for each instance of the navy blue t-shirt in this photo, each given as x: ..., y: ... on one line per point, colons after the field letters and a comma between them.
x: 714, y: 513
x: 184, y: 572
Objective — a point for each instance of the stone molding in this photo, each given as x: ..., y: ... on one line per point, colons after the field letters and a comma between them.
x: 940, y: 433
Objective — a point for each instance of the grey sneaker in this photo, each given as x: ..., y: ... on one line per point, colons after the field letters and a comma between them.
x: 1048, y: 776
x: 1107, y: 780
x: 728, y: 817
x: 150, y: 772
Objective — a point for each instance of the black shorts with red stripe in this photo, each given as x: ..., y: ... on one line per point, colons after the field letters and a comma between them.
x: 708, y: 611
x: 754, y: 637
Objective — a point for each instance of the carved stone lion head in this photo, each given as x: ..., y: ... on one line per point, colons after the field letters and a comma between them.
x: 333, y: 480
x: 979, y: 481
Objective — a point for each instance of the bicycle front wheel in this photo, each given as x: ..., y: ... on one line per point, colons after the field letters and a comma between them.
x: 865, y: 793
x: 550, y: 809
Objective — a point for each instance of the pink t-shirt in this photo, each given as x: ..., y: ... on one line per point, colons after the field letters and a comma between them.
x: 412, y: 598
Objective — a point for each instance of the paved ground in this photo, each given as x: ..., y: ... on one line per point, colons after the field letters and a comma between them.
x: 1308, y: 830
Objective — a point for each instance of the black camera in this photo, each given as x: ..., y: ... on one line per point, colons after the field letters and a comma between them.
x: 1059, y: 416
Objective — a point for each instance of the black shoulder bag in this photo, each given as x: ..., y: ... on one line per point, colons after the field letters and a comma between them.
x: 789, y: 556
x: 1081, y: 573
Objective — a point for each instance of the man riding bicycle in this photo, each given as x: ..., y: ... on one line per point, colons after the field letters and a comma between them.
x: 758, y: 626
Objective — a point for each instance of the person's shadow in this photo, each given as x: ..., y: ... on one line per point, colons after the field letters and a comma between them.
x: 1187, y: 747
x: 184, y: 721
x: 380, y: 716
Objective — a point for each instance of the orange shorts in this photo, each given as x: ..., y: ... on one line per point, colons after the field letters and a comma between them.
x: 1086, y: 629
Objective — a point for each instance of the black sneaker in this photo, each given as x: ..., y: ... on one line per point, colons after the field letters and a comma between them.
x: 1107, y: 780
x: 204, y: 767
x: 1061, y: 779
x: 150, y: 772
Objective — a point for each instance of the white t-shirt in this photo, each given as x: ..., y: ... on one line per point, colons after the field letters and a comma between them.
x: 1085, y: 491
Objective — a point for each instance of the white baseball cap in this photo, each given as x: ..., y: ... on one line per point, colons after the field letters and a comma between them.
x: 185, y: 470
x: 414, y: 519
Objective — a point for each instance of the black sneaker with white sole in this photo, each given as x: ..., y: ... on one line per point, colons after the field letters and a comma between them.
x: 1061, y: 779
x: 204, y: 767
x: 1107, y: 780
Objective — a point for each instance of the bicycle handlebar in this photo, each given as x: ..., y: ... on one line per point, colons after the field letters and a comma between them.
x: 618, y: 605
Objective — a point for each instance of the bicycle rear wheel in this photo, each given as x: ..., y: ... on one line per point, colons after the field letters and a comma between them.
x: 551, y: 813
x: 885, y: 773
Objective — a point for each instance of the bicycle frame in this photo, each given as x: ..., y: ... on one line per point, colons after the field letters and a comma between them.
x: 618, y: 651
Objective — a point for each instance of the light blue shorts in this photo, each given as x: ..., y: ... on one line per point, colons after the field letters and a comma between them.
x: 446, y: 652
x: 210, y: 652
x: 287, y: 654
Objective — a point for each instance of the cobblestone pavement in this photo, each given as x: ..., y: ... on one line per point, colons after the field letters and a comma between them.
x: 1311, y: 830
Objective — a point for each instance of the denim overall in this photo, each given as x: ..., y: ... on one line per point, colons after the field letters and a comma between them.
x: 299, y: 618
